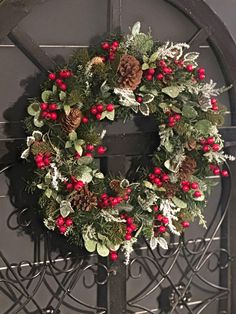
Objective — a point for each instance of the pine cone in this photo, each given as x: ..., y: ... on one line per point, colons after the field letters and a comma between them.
x: 187, y: 168
x: 130, y: 72
x: 84, y: 200
x: 115, y: 186
x: 171, y: 189
x: 191, y: 144
x: 71, y: 121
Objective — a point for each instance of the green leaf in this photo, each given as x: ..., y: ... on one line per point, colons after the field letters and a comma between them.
x: 78, y: 148
x: 145, y: 66
x: 67, y: 109
x: 110, y: 115
x: 204, y: 126
x: 46, y: 95
x: 163, y: 243
x: 178, y: 202
x: 164, y: 106
x: 62, y: 95
x: 102, y: 250
x: 84, y: 160
x: 148, y: 185
x: 172, y: 91
x: 86, y: 177
x: 168, y: 146
x: 136, y: 28
x: 47, y: 178
x: 101, y: 237
x: 65, y: 208
x: 90, y: 245
x: 103, y: 115
x: 68, y: 144
x: 175, y: 109
x: 99, y: 175
x: 124, y: 207
x: 147, y: 98
x: 33, y: 109
x: 48, y: 193
x: 189, y: 112
x: 153, y: 57
x: 73, y: 136
x: 38, y: 123
x: 144, y: 109
x: 170, y: 166
x: 145, y: 59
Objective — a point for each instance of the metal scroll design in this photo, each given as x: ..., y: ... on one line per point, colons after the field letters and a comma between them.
x: 60, y: 274
x: 194, y: 259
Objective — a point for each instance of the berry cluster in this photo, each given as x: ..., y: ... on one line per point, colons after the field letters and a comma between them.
x: 106, y: 201
x: 158, y: 177
x: 186, y: 186
x: 160, y: 223
x: 173, y: 118
x: 110, y: 49
x: 60, y: 78
x: 98, y: 109
x: 130, y: 226
x: 63, y: 224
x: 208, y: 144
x: 43, y: 160
x: 159, y: 73
x: 216, y: 171
x: 200, y: 73
x: 48, y: 111
x: 74, y: 184
x: 214, y: 104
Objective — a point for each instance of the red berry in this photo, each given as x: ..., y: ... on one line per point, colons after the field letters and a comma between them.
x: 52, y: 107
x: 159, y: 217
x: 129, y: 220
x: 165, y: 178
x: 215, y: 108
x: 69, y: 186
x: 90, y: 147
x: 99, y: 108
x: 88, y: 155
x: 202, y: 141
x: 216, y: 147
x: 201, y: 76
x: 185, y: 183
x: 85, y: 120
x: 185, y: 188
x: 177, y: 117
x: 59, y: 82
x: 189, y: 68
x: 133, y: 227
x: 210, y: 140
x: 38, y: 158
x: 78, y: 185
x: 40, y: 164
x: 197, y: 194
x: 128, y: 236
x: 105, y: 45
x: 185, y: 224
x: 155, y: 208
x: 201, y: 71
x: 162, y: 63
x: 165, y: 220
x: 151, y: 71
x: 115, y: 44
x: 206, y: 148
x: 139, y: 99
x: 98, y: 116
x: 63, y: 87
x: 63, y: 74
x: 46, y: 161
x: 216, y: 171
x: 128, y: 190
x: 110, y: 107
x: 129, y: 229
x: 93, y: 110
x: 194, y: 186
x: 157, y: 170
x: 171, y: 119
x: 52, y: 76
x: 43, y: 106
x: 101, y: 150
x: 69, y: 222
x: 157, y: 181
x: 62, y: 229
x: 126, y: 197
x: 162, y: 229
x: 60, y: 221
x: 77, y: 155
x: 113, y: 256
x: 149, y: 77
x: 167, y: 70
x: 53, y: 116
x: 224, y: 173
x: 213, y: 101
x: 159, y: 76
x: 44, y: 114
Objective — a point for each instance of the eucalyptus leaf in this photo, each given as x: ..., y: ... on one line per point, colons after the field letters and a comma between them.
x: 172, y: 91
x: 86, y: 177
x: 46, y: 95
x: 102, y: 250
x: 189, y: 112
x: 73, y: 136
x: 67, y: 109
x: 148, y: 184
x: 145, y: 66
x: 33, y: 109
x: 90, y: 245
x: 48, y: 193
x: 204, y: 126
x: 66, y: 208
x: 78, y: 148
x: 178, y: 202
x: 153, y: 57
x: 85, y: 160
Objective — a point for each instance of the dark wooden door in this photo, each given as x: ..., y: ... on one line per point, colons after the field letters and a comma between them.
x: 37, y: 272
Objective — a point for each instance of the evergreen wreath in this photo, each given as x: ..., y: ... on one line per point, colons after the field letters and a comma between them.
x: 122, y: 77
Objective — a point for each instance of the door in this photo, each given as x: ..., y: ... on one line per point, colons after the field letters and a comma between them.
x: 39, y: 273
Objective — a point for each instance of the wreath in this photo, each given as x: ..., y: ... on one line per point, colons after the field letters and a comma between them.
x: 122, y: 77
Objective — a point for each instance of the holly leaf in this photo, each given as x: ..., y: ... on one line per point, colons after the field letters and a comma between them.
x: 65, y: 208
x: 189, y: 112
x: 33, y: 109
x: 46, y: 95
x: 90, y: 245
x: 144, y: 109
x: 78, y: 147
x: 38, y: 123
x: 153, y: 243
x: 102, y: 250
x: 163, y: 243
x: 62, y: 95
x: 178, y: 202
x: 110, y: 115
x: 147, y: 98
x: 172, y: 91
x: 153, y: 57
x: 73, y: 136
x: 145, y: 66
